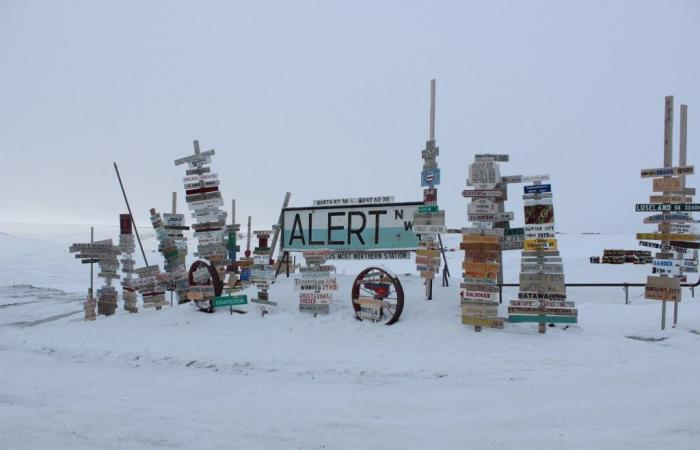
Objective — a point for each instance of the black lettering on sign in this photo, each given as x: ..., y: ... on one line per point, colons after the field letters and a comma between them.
x: 293, y: 236
x: 311, y: 227
x: 332, y: 227
x: 376, y: 215
x: 356, y: 231
x: 398, y: 214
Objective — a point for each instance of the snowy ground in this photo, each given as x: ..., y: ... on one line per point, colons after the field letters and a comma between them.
x: 178, y: 378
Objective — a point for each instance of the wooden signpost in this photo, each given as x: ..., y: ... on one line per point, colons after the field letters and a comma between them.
x: 173, y: 246
x: 105, y: 255
x: 89, y: 304
x: 317, y: 283
x: 262, y: 271
x: 542, y: 287
x: 429, y: 221
x: 674, y: 220
x: 127, y: 246
x: 204, y: 199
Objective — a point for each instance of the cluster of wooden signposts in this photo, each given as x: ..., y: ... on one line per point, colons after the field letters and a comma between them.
x: 378, y: 228
x: 673, y: 206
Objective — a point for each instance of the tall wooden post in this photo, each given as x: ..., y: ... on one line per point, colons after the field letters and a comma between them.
x: 92, y: 239
x: 682, y: 160
x: 174, y: 208
x: 432, y: 109
x: 247, y: 248
x: 668, y: 162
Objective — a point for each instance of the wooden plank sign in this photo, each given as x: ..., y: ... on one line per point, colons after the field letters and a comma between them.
x: 663, y: 288
x: 673, y: 184
x: 668, y: 171
x: 539, y: 214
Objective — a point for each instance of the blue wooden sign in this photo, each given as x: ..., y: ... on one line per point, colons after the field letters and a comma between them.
x: 430, y: 177
x: 538, y: 188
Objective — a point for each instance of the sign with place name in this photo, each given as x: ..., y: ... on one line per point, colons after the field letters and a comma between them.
x: 483, y: 174
x: 671, y: 198
x: 383, y: 226
x: 430, y: 196
x: 310, y: 298
x: 488, y: 193
x: 498, y: 157
x: 430, y: 177
x: 668, y: 236
x: 533, y: 295
x: 539, y: 244
x: 671, y: 218
x: 370, y: 309
x: 230, y: 300
x: 329, y: 284
x: 524, y: 179
x: 496, y: 322
x: 667, y: 184
x: 539, y: 214
x: 663, y: 288
x: 197, y: 158
x: 498, y: 217
x: 542, y: 282
x: 482, y: 206
x: 355, y: 201
x: 421, y: 229
x: 537, y: 188
x: 378, y: 254
x: 668, y: 171
x: 667, y: 207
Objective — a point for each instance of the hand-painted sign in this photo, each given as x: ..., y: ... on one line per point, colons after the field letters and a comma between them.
x: 668, y: 171
x: 538, y: 214
x: 667, y: 184
x: 381, y: 226
x: 355, y: 201
x: 672, y: 218
x: 667, y: 207
x: 524, y: 179
x: 668, y: 236
x: 663, y: 288
x: 537, y: 188
x: 230, y: 300
x: 430, y: 177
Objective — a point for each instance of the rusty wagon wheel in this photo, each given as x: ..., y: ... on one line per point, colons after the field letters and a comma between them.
x: 214, y: 280
x: 379, y: 287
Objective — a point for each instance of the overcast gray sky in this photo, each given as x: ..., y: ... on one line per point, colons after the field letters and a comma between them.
x: 330, y: 99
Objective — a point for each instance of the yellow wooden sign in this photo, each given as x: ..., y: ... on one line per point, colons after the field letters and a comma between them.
x: 539, y: 244
x: 667, y: 184
x: 667, y: 237
x: 482, y: 321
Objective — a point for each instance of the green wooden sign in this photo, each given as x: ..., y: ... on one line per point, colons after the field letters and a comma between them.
x: 230, y: 300
x: 428, y: 208
x: 542, y: 319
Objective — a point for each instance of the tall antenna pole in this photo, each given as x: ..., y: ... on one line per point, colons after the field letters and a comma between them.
x: 116, y: 169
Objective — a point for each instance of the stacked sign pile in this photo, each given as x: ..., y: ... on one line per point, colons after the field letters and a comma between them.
x: 204, y: 199
x: 262, y: 273
x: 429, y: 221
x: 542, y: 296
x: 173, y: 245
x: 482, y: 243
x: 107, y: 295
x: 674, y: 218
x: 316, y: 285
x: 127, y: 247
x: 150, y: 285
x: 95, y: 252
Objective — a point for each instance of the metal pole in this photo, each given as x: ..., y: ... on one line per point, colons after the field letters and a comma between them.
x: 143, y: 253
x: 92, y: 239
x: 627, y: 294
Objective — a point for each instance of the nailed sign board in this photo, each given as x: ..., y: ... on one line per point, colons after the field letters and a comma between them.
x: 430, y: 177
x: 668, y: 171
x: 542, y: 282
x: 478, y: 193
x: 230, y: 300
x: 498, y: 157
x: 668, y: 236
x: 663, y: 288
x: 672, y: 218
x: 355, y: 201
x: 667, y: 184
x: 524, y: 179
x: 377, y: 254
x: 385, y: 226
x: 667, y: 207
x: 537, y: 189
x: 498, y: 217
x: 483, y: 174
x: 538, y: 214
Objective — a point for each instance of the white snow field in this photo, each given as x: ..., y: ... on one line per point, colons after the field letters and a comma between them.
x: 179, y: 378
